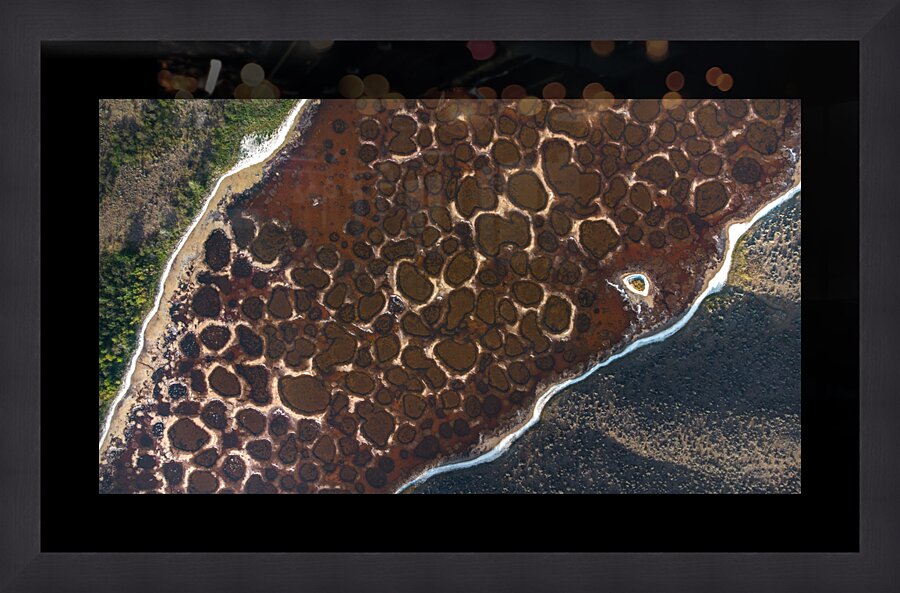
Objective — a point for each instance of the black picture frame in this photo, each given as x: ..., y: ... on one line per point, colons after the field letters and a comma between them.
x: 875, y: 24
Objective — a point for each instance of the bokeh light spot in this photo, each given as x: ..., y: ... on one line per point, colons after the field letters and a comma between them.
x: 554, y: 90
x: 164, y: 78
x: 252, y: 74
x: 242, y: 91
x: 606, y: 99
x: 486, y: 92
x: 712, y: 75
x: 514, y: 91
x: 603, y: 48
x: 368, y: 106
x: 185, y: 83
x: 657, y: 50
x: 725, y: 82
x: 603, y: 100
x: 376, y: 85
x: 265, y: 90
x: 529, y: 105
x: 671, y: 100
x: 593, y: 91
x: 482, y: 50
x: 351, y: 86
x: 675, y: 81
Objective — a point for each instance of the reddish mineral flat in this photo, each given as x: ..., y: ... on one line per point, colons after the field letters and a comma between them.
x: 409, y: 276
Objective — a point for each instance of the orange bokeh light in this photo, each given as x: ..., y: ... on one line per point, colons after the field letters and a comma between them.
x: 593, y: 90
x: 514, y: 91
x: 675, y: 81
x: 554, y: 90
x: 713, y: 74
x: 725, y: 82
x: 603, y: 48
x: 671, y: 100
x: 657, y: 50
x: 529, y: 106
x: 486, y: 92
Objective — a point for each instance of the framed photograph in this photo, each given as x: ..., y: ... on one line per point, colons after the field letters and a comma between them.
x: 532, y: 288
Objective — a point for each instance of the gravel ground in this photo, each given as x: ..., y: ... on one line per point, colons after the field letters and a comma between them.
x: 769, y: 262
x: 148, y: 195
x: 715, y: 408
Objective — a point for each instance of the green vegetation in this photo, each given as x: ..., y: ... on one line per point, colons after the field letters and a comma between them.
x: 739, y: 274
x: 128, y: 281
x: 260, y: 117
x: 135, y: 139
x: 128, y: 277
x: 716, y: 302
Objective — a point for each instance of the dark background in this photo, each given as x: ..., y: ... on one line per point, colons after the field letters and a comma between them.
x: 759, y: 68
x: 825, y: 76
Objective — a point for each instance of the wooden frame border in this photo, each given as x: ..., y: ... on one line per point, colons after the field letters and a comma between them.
x: 874, y: 23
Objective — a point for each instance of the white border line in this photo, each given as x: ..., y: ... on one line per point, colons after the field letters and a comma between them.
x: 715, y: 285
x: 254, y: 151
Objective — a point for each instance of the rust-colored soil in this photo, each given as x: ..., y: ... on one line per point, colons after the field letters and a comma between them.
x: 409, y: 277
